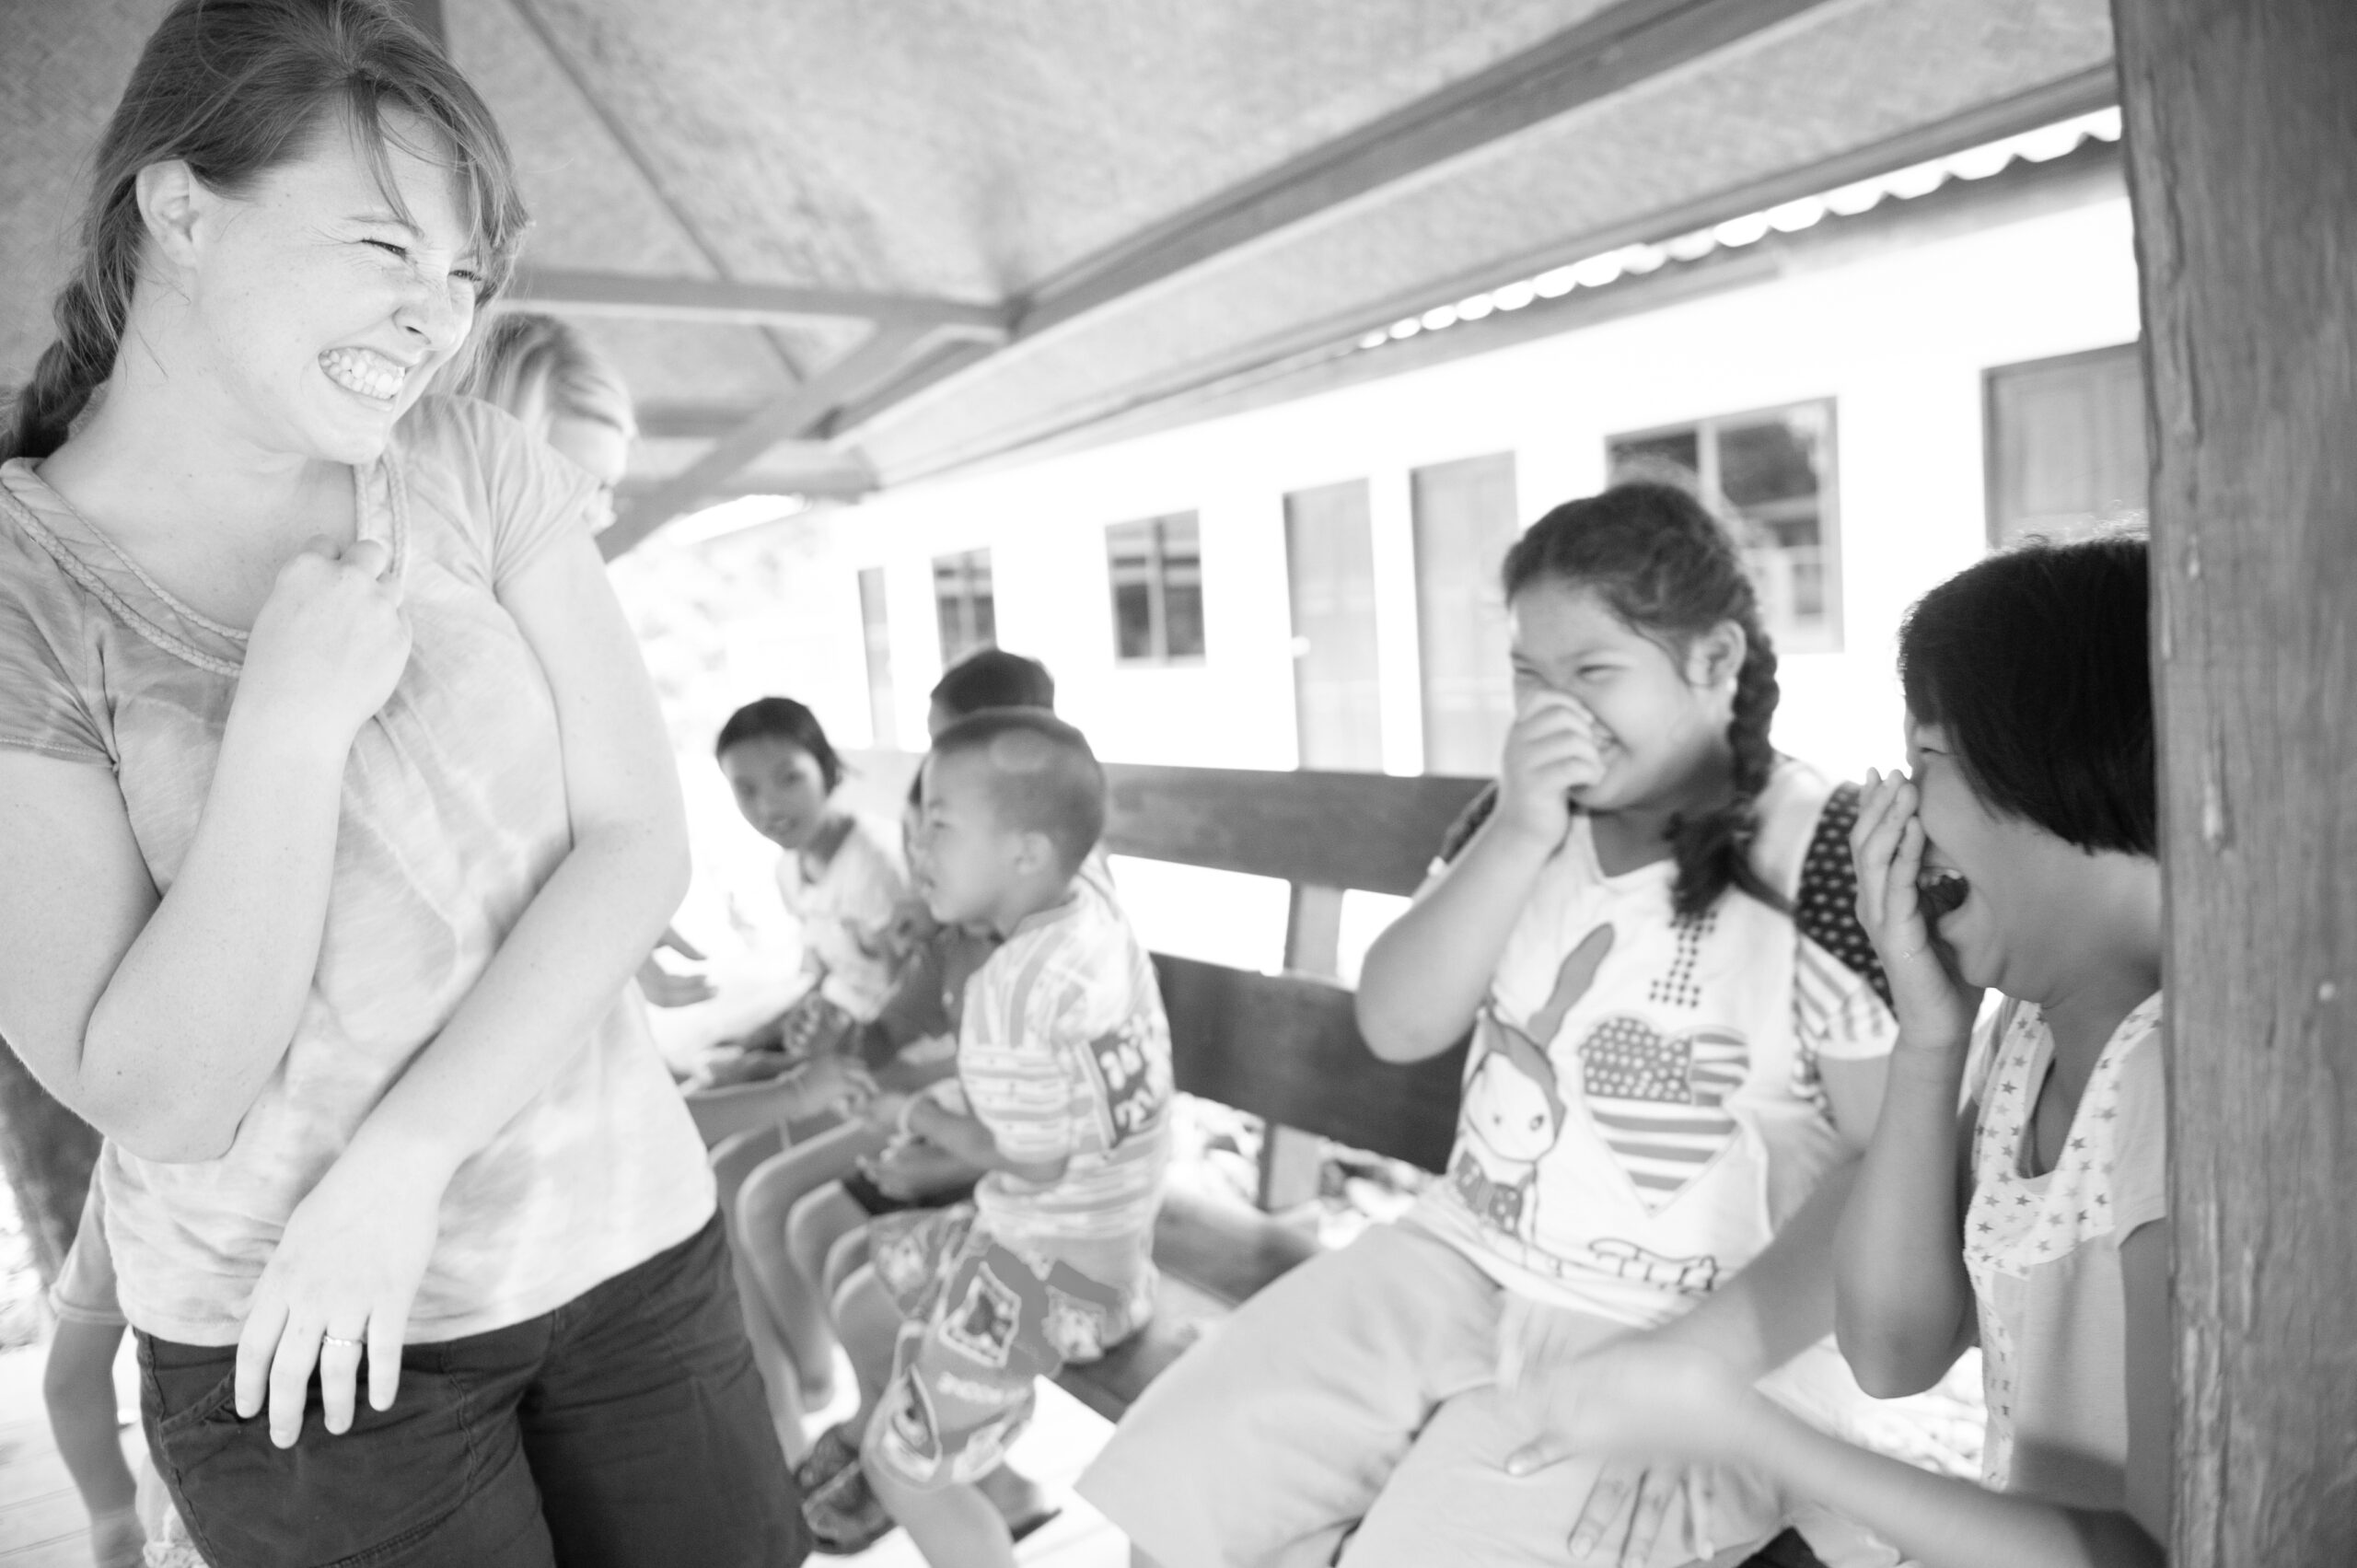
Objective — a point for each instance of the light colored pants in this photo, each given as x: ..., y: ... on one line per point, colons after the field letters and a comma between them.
x: 1359, y: 1391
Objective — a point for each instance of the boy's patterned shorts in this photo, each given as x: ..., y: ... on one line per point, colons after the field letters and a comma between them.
x: 981, y: 1323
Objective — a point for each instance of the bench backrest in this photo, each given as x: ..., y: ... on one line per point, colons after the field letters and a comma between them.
x: 1285, y: 1047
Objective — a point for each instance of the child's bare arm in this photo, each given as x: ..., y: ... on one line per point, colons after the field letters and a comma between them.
x: 78, y: 1384
x: 1425, y: 977
x: 1903, y: 1306
x: 1938, y: 1520
x: 968, y: 1137
x: 1646, y: 1395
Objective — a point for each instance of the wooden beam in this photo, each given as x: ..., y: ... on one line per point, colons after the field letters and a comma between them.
x: 1609, y: 53
x: 743, y: 303
x: 884, y: 352
x: 1369, y: 830
x: 2064, y: 97
x: 698, y: 421
x: 2240, y: 123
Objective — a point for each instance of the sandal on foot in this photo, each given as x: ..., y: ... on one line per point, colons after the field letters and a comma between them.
x: 844, y: 1516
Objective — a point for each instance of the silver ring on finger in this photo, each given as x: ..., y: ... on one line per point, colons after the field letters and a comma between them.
x: 339, y: 1340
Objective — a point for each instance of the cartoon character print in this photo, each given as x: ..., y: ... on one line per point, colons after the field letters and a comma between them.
x: 1513, y: 1110
x: 1688, y: 1276
x: 985, y: 1322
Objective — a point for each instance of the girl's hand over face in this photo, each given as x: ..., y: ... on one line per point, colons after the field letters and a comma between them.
x: 1935, y: 1007
x: 1549, y: 751
x: 330, y: 642
x: 345, y: 1271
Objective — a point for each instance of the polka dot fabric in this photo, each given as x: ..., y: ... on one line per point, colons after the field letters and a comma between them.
x: 1825, y: 907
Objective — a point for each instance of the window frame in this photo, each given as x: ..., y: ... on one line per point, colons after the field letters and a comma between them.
x: 1993, y: 380
x: 1158, y: 588
x: 1827, y: 638
x: 971, y: 634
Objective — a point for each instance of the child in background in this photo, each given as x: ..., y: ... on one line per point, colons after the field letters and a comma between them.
x: 797, y: 1206
x: 1679, y: 1042
x: 840, y: 878
x: 1063, y: 1095
x: 2018, y: 852
x: 133, y: 1523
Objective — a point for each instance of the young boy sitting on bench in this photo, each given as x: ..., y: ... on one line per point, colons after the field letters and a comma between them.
x: 1062, y: 1095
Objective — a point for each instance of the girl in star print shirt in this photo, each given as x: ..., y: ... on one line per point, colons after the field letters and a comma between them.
x: 2018, y: 853
x: 1678, y: 1035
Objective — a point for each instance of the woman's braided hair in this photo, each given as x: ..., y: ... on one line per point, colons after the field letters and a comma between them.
x: 1671, y: 571
x: 235, y: 89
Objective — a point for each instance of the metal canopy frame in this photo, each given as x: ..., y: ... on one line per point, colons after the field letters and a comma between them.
x: 917, y: 342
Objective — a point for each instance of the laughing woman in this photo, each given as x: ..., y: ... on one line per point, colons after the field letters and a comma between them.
x: 334, y: 813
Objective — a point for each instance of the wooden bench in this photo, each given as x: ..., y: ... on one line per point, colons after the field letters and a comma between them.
x: 1283, y: 1047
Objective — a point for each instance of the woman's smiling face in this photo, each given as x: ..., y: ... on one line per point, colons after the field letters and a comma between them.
x: 1656, y: 729
x: 320, y: 311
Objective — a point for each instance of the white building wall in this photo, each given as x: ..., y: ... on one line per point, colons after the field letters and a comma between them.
x: 1898, y: 338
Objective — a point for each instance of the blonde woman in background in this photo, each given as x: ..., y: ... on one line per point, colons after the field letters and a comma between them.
x: 554, y: 379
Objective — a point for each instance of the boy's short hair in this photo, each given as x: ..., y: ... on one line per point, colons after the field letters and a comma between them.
x: 782, y: 718
x: 993, y: 678
x: 1044, y: 779
x: 2035, y: 662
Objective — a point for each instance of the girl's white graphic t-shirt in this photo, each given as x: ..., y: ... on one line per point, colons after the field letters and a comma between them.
x: 1642, y: 1107
x: 845, y: 909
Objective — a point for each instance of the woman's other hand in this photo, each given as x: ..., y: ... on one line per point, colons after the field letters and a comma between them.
x: 1935, y: 1005
x: 345, y: 1270
x: 330, y: 642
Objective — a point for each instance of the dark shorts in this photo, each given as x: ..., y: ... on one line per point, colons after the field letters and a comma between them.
x: 627, y: 1429
x: 878, y: 1202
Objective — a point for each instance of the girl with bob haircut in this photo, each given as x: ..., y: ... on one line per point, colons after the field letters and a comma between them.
x: 1678, y: 1039
x: 339, y: 813
x: 2018, y: 853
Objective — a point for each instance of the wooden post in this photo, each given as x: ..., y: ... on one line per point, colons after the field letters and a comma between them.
x: 1291, y: 1159
x: 2242, y: 142
x: 47, y: 1153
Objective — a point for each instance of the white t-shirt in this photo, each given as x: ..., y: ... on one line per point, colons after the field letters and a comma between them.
x: 845, y: 910
x: 1641, y: 1107
x: 2043, y: 1252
